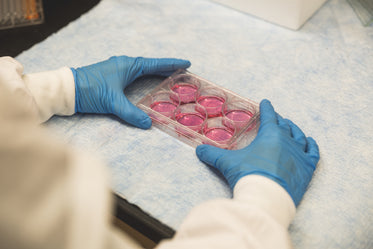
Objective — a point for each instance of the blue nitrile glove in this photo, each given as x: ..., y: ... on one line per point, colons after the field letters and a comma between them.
x: 280, y: 152
x: 99, y: 87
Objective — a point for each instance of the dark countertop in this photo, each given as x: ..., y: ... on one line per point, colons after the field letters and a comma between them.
x: 57, y: 14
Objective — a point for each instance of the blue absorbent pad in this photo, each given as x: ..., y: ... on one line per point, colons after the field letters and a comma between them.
x: 320, y: 77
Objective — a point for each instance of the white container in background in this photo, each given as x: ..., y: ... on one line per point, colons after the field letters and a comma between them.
x: 288, y: 13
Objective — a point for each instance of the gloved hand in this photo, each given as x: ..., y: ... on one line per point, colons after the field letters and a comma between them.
x: 99, y: 87
x: 280, y: 152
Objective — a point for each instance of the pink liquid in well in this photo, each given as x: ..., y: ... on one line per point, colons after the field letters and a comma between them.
x: 192, y: 120
x: 165, y: 107
x: 212, y: 104
x: 186, y: 92
x: 219, y: 134
x: 239, y: 117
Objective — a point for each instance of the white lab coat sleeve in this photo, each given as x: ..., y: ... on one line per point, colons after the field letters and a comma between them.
x: 47, y: 93
x: 51, y: 196
x: 257, y: 217
x: 53, y: 91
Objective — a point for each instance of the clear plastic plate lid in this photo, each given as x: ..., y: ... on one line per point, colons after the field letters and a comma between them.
x: 196, y: 111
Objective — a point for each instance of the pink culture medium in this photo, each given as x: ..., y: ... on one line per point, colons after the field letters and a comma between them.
x: 186, y: 92
x: 192, y: 120
x: 165, y: 107
x: 219, y: 134
x: 239, y: 117
x: 212, y: 104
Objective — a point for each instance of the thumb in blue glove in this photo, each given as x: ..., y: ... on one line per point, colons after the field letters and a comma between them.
x: 99, y: 87
x: 280, y: 152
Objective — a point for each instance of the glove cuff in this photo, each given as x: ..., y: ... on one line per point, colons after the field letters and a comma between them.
x: 76, y: 89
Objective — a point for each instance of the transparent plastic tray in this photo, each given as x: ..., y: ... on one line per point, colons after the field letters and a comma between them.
x: 197, y: 111
x: 17, y: 13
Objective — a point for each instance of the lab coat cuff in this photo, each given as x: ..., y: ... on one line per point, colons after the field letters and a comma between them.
x: 66, y: 105
x: 53, y: 91
x: 268, y: 196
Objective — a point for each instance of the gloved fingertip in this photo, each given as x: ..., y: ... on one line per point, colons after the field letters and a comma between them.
x: 312, y: 146
x: 267, y: 112
x: 146, y: 123
x: 313, y: 150
x: 209, y: 154
x: 185, y: 63
x: 265, y: 102
x: 200, y: 151
x: 205, y: 154
x: 179, y: 64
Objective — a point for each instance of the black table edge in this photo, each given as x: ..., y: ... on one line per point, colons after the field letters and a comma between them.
x: 141, y: 221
